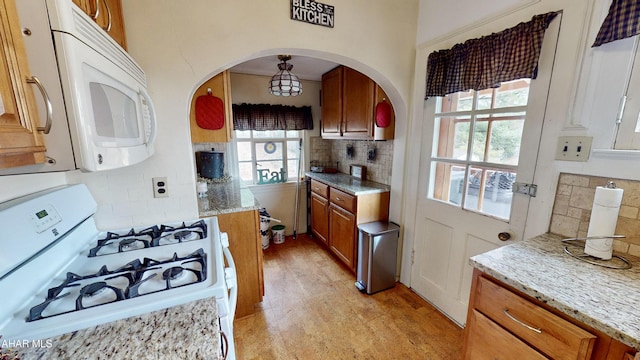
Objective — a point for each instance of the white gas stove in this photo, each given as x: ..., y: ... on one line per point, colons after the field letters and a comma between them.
x: 59, y: 274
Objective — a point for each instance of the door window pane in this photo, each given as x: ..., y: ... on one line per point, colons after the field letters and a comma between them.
x: 477, y: 146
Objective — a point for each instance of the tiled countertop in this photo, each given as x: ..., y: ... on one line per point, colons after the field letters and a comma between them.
x: 188, y: 331
x: 349, y: 184
x: 229, y: 197
x: 605, y: 299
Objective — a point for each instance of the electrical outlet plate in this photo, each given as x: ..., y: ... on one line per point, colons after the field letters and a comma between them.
x: 574, y: 148
x: 160, y: 188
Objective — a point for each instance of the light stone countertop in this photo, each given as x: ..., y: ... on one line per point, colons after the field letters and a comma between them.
x: 605, y: 299
x: 228, y: 197
x: 349, y: 184
x: 188, y: 331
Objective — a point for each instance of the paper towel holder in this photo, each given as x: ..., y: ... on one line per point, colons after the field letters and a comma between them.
x: 587, y: 258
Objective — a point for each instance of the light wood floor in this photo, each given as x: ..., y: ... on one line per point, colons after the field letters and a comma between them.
x: 312, y: 310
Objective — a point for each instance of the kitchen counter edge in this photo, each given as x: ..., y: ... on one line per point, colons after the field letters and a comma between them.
x: 349, y: 184
x: 163, y: 333
x: 605, y: 299
x: 228, y: 197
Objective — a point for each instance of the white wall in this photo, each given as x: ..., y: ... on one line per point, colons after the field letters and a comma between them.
x: 181, y: 44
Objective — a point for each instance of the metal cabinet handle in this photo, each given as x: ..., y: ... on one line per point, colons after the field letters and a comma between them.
x: 338, y: 199
x: 316, y: 188
x: 97, y: 14
x: 536, y: 330
x: 106, y: 5
x: 47, y: 127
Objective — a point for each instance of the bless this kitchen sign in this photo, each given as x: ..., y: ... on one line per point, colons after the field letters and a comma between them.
x: 312, y: 12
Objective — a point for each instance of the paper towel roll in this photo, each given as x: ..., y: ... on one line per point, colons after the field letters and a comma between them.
x: 604, y: 217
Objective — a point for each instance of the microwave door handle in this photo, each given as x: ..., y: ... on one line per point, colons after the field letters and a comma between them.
x: 47, y: 127
x: 152, y: 116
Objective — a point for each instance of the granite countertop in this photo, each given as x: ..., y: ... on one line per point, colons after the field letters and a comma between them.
x: 188, y: 331
x: 605, y: 299
x: 349, y: 184
x: 227, y: 197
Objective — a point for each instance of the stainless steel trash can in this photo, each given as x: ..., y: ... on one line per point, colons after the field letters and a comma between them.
x: 377, y: 254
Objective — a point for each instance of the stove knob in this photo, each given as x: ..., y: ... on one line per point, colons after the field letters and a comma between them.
x: 224, y: 239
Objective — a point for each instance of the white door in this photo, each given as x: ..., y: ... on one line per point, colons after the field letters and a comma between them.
x: 452, y: 224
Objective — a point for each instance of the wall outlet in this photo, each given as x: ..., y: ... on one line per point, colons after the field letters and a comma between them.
x: 160, y: 188
x: 574, y: 148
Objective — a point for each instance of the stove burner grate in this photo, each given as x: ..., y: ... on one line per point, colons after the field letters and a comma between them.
x: 132, y: 273
x: 150, y: 237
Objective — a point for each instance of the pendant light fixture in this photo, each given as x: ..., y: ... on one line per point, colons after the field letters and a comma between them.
x: 284, y: 83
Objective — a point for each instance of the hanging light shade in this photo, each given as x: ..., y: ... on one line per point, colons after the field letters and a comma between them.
x: 284, y: 83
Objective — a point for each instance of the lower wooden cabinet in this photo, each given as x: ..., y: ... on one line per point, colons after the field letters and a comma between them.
x: 320, y: 218
x: 335, y: 216
x: 490, y: 341
x: 342, y: 232
x: 245, y: 245
x: 501, y: 320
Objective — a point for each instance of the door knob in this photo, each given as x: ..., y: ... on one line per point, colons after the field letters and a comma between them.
x: 504, y: 236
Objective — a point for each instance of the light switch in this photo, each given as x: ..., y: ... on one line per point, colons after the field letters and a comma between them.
x: 574, y: 148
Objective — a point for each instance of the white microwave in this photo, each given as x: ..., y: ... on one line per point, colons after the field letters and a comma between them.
x: 112, y: 120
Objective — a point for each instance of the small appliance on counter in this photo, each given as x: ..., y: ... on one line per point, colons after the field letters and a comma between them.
x: 324, y: 166
x: 210, y: 164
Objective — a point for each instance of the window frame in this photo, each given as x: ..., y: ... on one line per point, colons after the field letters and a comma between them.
x: 441, y: 183
x: 253, y: 140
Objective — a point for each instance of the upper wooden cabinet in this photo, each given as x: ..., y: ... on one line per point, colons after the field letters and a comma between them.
x: 108, y: 15
x: 349, y: 100
x: 220, y: 86
x: 20, y: 141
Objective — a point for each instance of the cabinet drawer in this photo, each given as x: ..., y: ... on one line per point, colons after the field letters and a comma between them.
x: 320, y: 188
x: 487, y: 340
x: 342, y: 199
x: 550, y: 334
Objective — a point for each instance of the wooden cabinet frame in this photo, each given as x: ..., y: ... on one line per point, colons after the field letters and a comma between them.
x: 21, y: 143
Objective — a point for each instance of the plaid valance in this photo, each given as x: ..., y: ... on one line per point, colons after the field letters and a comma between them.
x: 623, y: 21
x: 487, y: 61
x: 271, y: 117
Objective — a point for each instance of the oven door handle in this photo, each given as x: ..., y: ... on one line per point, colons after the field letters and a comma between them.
x: 230, y: 275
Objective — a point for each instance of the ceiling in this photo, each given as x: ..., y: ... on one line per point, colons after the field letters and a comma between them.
x: 306, y: 68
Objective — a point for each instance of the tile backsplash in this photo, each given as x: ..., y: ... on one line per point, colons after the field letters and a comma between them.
x: 573, y: 203
x: 332, y: 151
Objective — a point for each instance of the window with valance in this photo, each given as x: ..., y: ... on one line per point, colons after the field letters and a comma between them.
x: 263, y: 117
x: 488, y: 61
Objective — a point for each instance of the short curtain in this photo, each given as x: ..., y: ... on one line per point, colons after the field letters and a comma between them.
x: 271, y: 117
x: 622, y: 21
x: 488, y: 61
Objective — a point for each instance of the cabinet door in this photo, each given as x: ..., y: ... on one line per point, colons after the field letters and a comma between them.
x: 20, y: 141
x: 320, y: 217
x: 332, y: 103
x: 245, y: 244
x: 220, y: 86
x: 342, y: 240
x: 357, y: 105
x: 108, y: 15
x: 487, y: 340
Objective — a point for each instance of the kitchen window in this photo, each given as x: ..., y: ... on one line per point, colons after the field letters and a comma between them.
x: 477, y: 146
x: 267, y: 157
